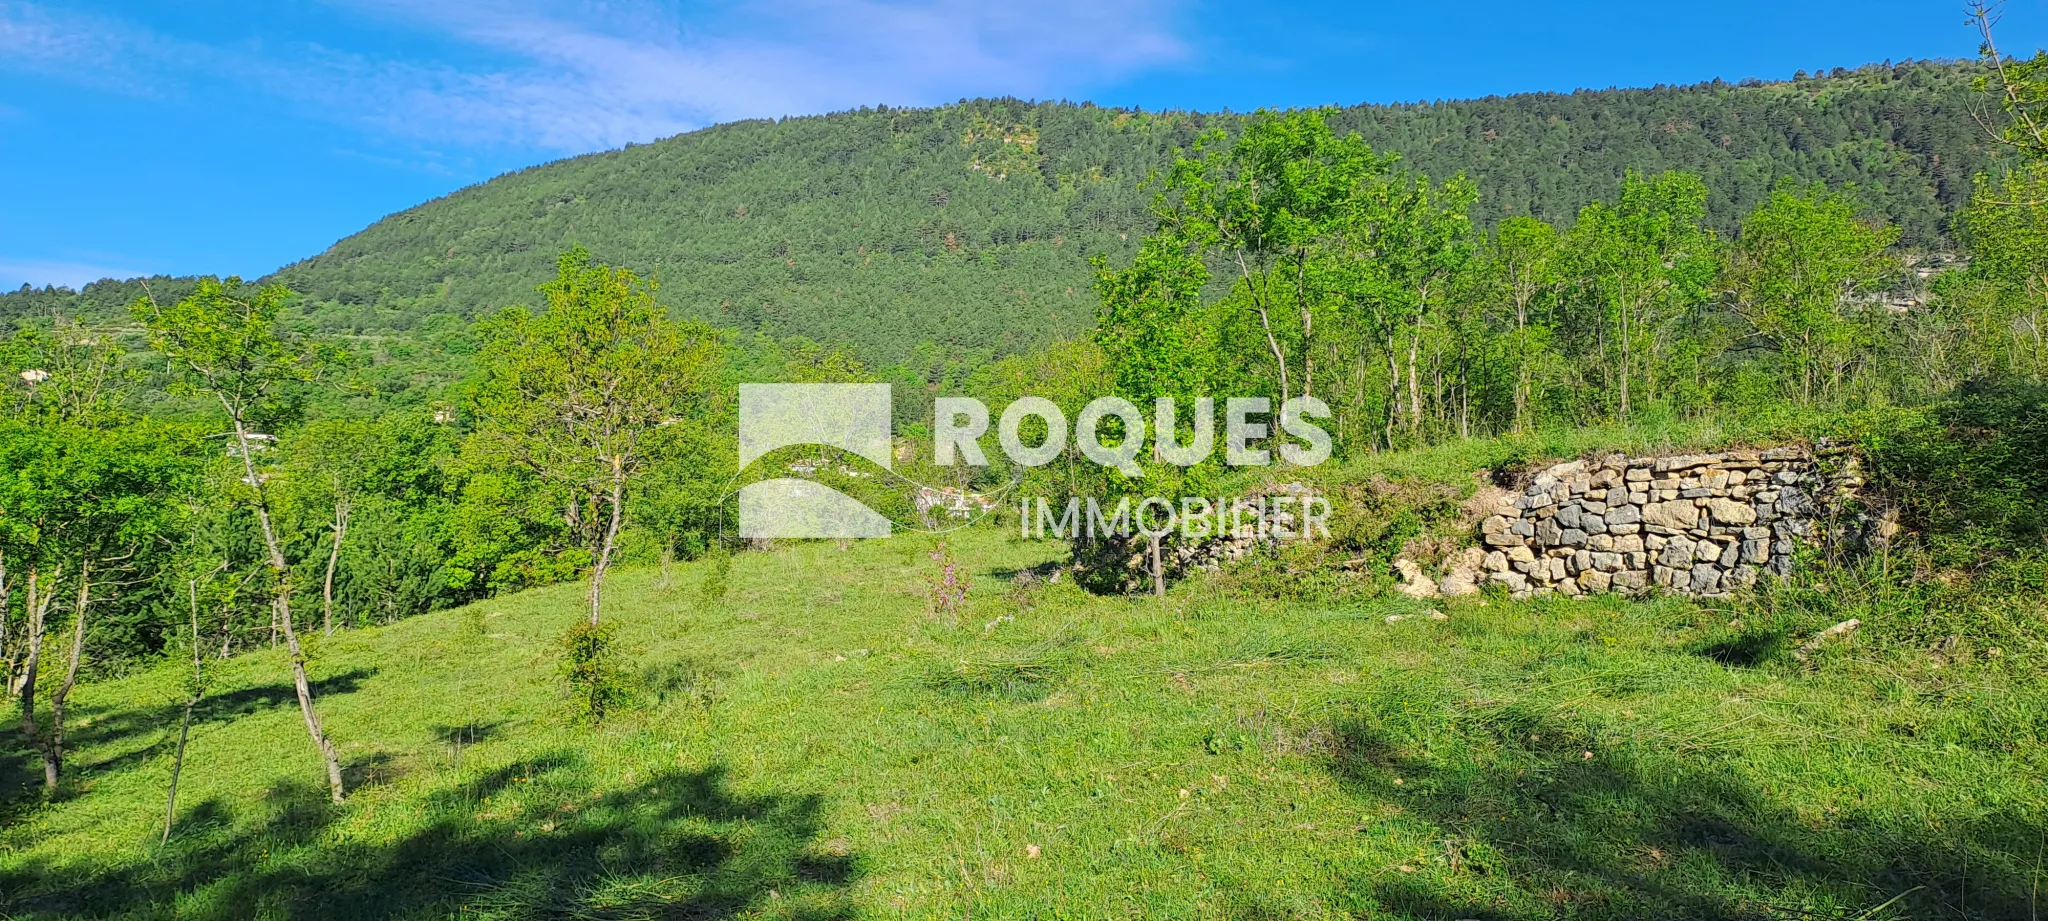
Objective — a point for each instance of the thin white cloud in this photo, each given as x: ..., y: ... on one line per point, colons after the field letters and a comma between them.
x: 572, y: 77
x: 39, y: 272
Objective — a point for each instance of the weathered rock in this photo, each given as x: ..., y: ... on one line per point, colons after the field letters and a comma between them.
x: 1677, y: 553
x: 1675, y: 515
x: 1413, y: 583
x: 1464, y: 572
x: 1729, y: 511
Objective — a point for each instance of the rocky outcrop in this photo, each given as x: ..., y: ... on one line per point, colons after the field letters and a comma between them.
x: 1693, y: 524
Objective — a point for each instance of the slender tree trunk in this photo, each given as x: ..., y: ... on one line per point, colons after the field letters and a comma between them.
x: 1308, y: 324
x: 53, y: 747
x: 617, y: 498
x: 1414, y: 382
x: 7, y: 651
x: 342, y: 507
x: 38, y: 609
x: 1627, y: 361
x: 1265, y: 324
x: 1279, y: 357
x: 281, y: 611
x: 184, y: 725
x: 1521, y: 361
x: 1158, y: 570
x: 1393, y: 388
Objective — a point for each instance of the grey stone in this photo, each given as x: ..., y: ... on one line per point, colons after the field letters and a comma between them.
x: 1627, y: 514
x: 1705, y: 578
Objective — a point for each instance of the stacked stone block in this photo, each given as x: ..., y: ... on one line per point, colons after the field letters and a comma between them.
x: 1695, y: 524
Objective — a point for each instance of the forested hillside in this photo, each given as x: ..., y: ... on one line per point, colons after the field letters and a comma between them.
x: 966, y: 229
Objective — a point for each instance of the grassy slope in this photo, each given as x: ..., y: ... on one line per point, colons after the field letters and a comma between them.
x: 819, y: 745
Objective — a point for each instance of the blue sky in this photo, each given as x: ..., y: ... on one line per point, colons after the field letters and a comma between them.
x: 234, y: 136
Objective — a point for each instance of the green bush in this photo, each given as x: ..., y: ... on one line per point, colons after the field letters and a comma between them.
x: 1969, y: 474
x: 596, y: 686
x: 717, y: 574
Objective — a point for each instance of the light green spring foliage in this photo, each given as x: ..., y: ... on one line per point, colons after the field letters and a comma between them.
x: 576, y: 397
x: 840, y: 754
x: 2001, y: 298
x: 570, y: 394
x: 224, y: 343
x: 1647, y: 263
x: 1804, y: 274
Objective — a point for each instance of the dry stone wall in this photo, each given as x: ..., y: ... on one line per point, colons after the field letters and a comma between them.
x: 1694, y: 524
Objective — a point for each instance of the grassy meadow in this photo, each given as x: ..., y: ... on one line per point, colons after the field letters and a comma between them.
x: 818, y: 743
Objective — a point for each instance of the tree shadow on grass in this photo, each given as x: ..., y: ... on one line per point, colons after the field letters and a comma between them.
x: 91, y: 731
x: 1539, y: 830
x: 533, y: 839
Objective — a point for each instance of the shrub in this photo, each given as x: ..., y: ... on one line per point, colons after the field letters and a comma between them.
x: 1969, y: 474
x: 596, y: 686
x: 717, y: 574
